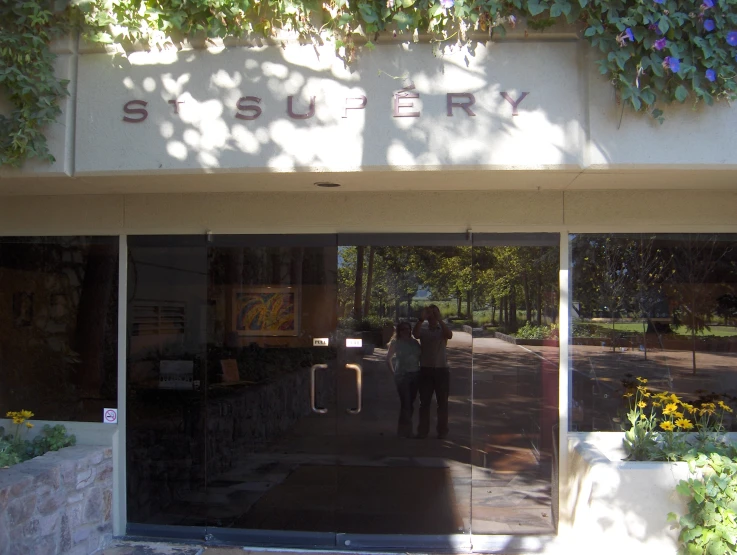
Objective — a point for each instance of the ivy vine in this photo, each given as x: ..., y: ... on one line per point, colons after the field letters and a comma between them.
x: 27, y: 77
x: 653, y: 51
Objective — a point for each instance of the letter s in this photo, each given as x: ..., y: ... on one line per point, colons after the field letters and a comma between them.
x: 141, y: 112
x: 243, y: 107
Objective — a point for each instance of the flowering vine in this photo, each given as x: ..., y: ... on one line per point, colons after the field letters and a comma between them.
x: 653, y: 51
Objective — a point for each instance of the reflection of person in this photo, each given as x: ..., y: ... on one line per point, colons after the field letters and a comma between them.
x: 434, y: 372
x: 403, y: 359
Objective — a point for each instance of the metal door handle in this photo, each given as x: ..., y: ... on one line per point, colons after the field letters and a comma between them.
x: 357, y: 368
x: 313, y: 369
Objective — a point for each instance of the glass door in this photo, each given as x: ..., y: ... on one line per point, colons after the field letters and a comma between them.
x: 514, y: 305
x: 404, y: 392
x: 342, y: 391
x: 272, y: 474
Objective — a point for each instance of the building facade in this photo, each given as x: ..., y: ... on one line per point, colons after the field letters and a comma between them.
x: 228, y: 236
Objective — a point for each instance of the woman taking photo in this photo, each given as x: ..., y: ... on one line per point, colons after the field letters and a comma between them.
x: 403, y: 359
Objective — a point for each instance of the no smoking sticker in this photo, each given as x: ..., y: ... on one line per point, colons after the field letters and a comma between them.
x: 110, y: 416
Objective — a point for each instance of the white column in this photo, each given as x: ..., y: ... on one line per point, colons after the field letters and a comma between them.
x: 563, y: 377
x: 119, y: 438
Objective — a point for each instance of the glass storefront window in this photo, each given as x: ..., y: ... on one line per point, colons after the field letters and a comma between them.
x: 58, y: 326
x: 658, y: 306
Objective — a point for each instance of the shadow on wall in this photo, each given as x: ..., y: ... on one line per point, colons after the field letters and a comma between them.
x: 300, y: 109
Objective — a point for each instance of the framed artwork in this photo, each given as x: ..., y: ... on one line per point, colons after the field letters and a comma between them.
x: 266, y: 310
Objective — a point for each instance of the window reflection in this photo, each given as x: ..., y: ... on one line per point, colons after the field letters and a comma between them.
x: 658, y: 306
x: 58, y: 326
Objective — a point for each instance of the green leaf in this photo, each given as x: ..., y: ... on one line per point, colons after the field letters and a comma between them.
x: 403, y: 20
x: 535, y: 8
x: 681, y: 93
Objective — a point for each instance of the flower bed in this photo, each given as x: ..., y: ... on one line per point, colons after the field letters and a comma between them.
x: 57, y: 503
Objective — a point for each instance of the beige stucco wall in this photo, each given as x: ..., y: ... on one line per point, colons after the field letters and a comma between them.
x: 328, y: 211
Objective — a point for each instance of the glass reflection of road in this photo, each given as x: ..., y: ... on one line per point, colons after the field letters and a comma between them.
x: 356, y: 474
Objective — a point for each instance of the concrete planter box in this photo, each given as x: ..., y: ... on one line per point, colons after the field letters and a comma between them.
x: 58, y: 503
x: 617, y: 506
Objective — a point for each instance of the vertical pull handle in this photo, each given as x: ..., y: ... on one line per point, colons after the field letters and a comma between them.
x: 358, y: 369
x: 313, y: 369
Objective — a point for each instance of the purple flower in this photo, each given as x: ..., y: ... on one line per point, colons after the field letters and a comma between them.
x: 709, y: 25
x: 707, y: 4
x: 732, y: 38
x: 674, y: 64
x: 711, y: 75
x: 629, y: 34
x: 658, y: 1
x: 659, y: 44
x: 447, y: 4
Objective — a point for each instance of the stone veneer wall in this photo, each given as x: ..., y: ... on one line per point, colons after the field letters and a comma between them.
x: 59, y: 503
x: 166, y: 456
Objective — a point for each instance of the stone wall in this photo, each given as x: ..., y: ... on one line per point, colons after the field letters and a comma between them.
x: 194, y: 439
x: 59, y: 503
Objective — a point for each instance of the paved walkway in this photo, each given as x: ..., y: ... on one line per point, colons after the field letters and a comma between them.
x: 163, y: 548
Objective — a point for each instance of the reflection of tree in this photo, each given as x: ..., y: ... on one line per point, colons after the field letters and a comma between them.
x: 66, y: 354
x: 648, y: 265
x: 501, y: 278
x: 696, y: 257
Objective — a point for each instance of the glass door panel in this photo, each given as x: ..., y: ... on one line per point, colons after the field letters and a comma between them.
x: 515, y: 382
x: 167, y: 394
x: 403, y: 430
x: 272, y: 407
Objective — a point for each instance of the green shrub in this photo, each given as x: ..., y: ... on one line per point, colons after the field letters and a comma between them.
x: 14, y: 450
x: 529, y: 331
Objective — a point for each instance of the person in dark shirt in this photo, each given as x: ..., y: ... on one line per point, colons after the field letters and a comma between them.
x: 434, y: 371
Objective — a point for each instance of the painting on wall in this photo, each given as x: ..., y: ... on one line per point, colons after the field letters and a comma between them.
x: 266, y: 311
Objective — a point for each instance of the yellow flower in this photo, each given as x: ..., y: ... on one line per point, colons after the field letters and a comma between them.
x: 29, y: 425
x: 642, y: 380
x: 662, y: 396
x: 667, y: 426
x: 670, y: 408
x: 678, y: 414
x: 684, y: 423
x: 642, y: 416
x: 674, y: 398
x: 625, y: 395
x: 18, y: 420
x: 656, y: 404
x: 690, y: 408
x: 26, y: 414
x: 642, y: 404
x: 724, y: 406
